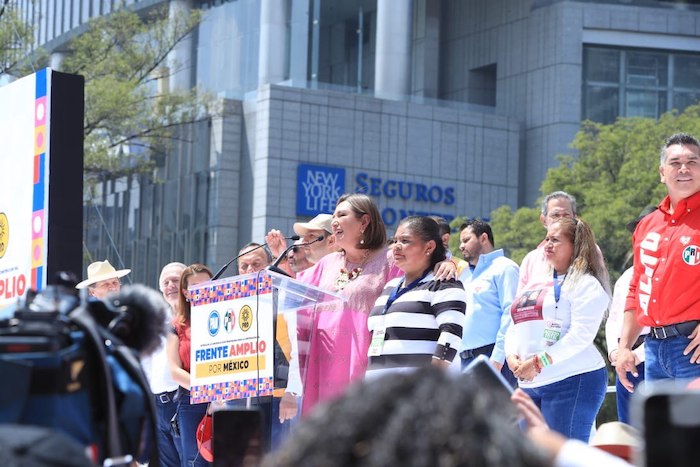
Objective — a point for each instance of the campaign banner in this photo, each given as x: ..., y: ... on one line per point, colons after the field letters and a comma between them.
x: 231, y: 354
x: 24, y: 132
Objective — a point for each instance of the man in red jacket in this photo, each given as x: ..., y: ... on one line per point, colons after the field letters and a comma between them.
x: 665, y: 288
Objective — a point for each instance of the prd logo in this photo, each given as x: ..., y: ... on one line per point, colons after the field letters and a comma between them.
x: 245, y: 318
x: 214, y: 323
x: 691, y: 255
x: 4, y: 234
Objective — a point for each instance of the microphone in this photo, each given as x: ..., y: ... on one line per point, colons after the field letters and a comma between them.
x: 136, y: 315
x: 223, y: 268
x: 274, y: 266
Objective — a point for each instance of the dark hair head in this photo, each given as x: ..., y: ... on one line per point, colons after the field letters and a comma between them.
x: 443, y: 225
x: 411, y: 419
x: 375, y: 234
x: 684, y: 139
x: 183, y: 313
x: 426, y: 229
x: 479, y: 227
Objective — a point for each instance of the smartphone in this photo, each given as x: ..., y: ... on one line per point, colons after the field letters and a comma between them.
x: 481, y: 371
x: 237, y: 440
x: 669, y: 418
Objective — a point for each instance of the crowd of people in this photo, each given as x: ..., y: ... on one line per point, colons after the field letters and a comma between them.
x: 366, y: 396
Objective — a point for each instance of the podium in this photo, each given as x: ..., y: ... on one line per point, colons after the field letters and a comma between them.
x: 235, y: 323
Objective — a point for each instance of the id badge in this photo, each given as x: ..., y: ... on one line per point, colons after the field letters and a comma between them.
x: 552, y: 331
x: 375, y: 347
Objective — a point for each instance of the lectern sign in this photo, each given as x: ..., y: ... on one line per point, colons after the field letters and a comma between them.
x: 231, y: 355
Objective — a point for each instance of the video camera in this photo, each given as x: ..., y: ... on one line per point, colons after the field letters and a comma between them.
x: 72, y: 364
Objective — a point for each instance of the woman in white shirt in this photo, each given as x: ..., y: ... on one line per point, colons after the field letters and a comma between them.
x: 549, y: 346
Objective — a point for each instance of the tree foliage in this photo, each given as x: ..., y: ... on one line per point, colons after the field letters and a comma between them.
x: 613, y: 178
x: 16, y: 38
x: 130, y: 114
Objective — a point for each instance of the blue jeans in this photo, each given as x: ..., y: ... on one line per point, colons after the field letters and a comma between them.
x: 169, y: 447
x: 505, y: 371
x: 189, y: 416
x: 665, y: 359
x: 622, y: 395
x: 570, y: 406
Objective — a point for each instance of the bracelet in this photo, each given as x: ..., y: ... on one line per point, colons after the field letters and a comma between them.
x: 544, y: 359
x: 536, y: 362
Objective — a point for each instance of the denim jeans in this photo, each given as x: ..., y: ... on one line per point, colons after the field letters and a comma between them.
x: 570, y: 406
x: 505, y: 371
x: 189, y: 416
x: 622, y: 395
x: 665, y: 359
x: 169, y: 447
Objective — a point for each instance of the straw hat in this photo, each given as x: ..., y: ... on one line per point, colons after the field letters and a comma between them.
x: 320, y: 222
x: 100, y: 271
x: 617, y: 438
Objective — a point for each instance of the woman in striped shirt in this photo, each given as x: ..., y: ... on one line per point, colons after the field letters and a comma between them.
x: 417, y: 320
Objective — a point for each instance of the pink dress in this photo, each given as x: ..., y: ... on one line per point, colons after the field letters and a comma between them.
x: 338, y: 339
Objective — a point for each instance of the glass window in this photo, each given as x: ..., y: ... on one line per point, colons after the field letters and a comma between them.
x: 602, y: 64
x: 681, y: 100
x: 645, y: 103
x: 601, y: 104
x: 646, y: 69
x: 637, y: 83
x: 686, y: 71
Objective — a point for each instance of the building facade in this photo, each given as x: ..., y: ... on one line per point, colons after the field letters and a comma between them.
x: 451, y: 107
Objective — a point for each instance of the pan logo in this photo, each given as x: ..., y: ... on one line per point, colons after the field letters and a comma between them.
x: 318, y: 189
x: 214, y: 323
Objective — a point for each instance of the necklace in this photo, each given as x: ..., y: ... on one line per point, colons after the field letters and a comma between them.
x: 346, y: 275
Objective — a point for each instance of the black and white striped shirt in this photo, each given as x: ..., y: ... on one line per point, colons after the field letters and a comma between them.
x: 425, y: 321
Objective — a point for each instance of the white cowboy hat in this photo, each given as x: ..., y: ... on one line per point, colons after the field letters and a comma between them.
x: 100, y: 271
x: 617, y: 438
x: 320, y: 222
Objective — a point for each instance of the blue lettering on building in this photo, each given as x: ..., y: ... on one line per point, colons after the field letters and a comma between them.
x: 318, y: 189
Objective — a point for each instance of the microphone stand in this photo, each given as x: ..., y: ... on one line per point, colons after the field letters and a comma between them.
x: 274, y: 267
x: 223, y: 268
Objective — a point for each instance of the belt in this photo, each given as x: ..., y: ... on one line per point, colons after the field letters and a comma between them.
x: 165, y: 397
x: 638, y: 342
x: 471, y: 353
x: 673, y: 330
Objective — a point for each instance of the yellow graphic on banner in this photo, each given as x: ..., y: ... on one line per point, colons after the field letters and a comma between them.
x: 245, y: 318
x: 230, y: 366
x: 4, y: 233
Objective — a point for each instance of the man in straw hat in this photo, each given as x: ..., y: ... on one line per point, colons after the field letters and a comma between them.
x: 102, y: 279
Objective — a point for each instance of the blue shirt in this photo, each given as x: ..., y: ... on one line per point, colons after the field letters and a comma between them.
x: 490, y: 290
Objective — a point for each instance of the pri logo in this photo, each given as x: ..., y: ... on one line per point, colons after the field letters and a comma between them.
x: 214, y: 323
x: 318, y: 189
x: 4, y: 234
x: 691, y: 255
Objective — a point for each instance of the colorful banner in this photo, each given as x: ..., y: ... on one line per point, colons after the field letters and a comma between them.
x: 24, y: 132
x: 231, y: 355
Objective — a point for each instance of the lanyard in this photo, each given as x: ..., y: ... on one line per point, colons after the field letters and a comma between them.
x: 398, y: 291
x: 557, y: 289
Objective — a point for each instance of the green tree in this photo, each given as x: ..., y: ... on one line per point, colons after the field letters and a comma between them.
x: 130, y: 114
x: 613, y: 178
x: 16, y: 37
